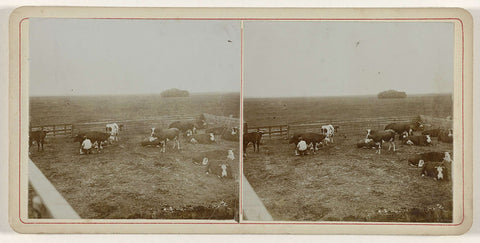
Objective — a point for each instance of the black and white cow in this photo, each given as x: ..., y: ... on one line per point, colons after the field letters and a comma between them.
x: 419, y: 140
x: 400, y: 127
x: 208, y: 138
x: 380, y: 137
x: 313, y: 140
x: 165, y: 135
x: 186, y: 127
x: 329, y: 132
x: 446, y: 136
x: 419, y: 160
x: 96, y: 138
x: 432, y: 132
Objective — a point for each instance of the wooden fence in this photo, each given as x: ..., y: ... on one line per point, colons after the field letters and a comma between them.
x: 54, y: 130
x: 221, y: 120
x: 270, y: 132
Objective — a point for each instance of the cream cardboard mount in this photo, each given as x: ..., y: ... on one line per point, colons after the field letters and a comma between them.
x: 250, y: 215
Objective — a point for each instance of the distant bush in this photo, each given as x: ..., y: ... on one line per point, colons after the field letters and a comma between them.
x: 174, y: 93
x: 389, y: 94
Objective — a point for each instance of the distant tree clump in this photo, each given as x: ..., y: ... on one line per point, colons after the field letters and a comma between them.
x: 390, y: 94
x: 174, y: 93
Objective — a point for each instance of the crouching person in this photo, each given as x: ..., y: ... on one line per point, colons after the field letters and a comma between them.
x: 301, y: 147
x: 86, y: 147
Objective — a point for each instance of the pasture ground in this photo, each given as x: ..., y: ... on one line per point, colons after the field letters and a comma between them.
x: 127, y: 180
x: 342, y: 182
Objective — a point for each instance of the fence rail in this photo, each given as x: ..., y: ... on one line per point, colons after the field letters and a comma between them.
x: 54, y: 205
x: 56, y: 129
x: 270, y: 132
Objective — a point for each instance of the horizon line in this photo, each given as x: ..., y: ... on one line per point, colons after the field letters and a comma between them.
x: 347, y: 95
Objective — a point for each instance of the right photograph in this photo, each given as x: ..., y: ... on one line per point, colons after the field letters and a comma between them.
x: 348, y: 121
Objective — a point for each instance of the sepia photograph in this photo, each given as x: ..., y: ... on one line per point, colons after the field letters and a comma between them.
x: 349, y: 120
x: 134, y: 119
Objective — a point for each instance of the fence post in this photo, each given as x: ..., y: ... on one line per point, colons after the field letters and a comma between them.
x: 65, y: 129
x: 288, y: 131
x: 71, y: 130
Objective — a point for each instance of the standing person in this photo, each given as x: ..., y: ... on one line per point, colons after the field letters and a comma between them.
x: 86, y: 146
x: 301, y: 147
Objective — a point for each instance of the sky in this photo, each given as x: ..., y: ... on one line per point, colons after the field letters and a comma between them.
x: 96, y: 57
x: 337, y: 58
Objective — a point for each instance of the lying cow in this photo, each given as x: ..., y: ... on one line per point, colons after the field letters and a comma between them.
x: 254, y: 138
x: 38, y: 137
x: 220, y: 168
x: 380, y: 137
x: 435, y: 132
x: 97, y: 139
x: 203, y: 138
x: 231, y: 134
x: 216, y: 130
x: 437, y: 170
x: 420, y: 140
x: 204, y: 157
x: 420, y: 159
x: 152, y: 141
x: 446, y: 136
x: 367, y: 143
x: 164, y: 135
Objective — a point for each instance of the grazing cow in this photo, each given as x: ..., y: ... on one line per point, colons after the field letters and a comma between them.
x: 432, y: 132
x: 38, y: 137
x: 254, y: 138
x: 399, y: 128
x: 203, y: 138
x: 113, y: 129
x: 380, y: 137
x: 366, y: 143
x: 310, y: 138
x: 420, y: 159
x: 446, y: 136
x: 220, y: 168
x: 163, y: 135
x: 420, y: 140
x: 98, y: 138
x: 329, y: 132
x: 184, y: 126
x: 437, y: 170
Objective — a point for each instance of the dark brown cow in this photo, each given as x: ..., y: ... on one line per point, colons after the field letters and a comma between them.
x: 446, y: 136
x: 420, y: 159
x: 437, y: 170
x: 252, y: 137
x: 380, y: 137
x: 38, y: 137
x: 312, y: 138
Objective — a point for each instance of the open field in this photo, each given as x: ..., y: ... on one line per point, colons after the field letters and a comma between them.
x: 342, y: 182
x: 127, y: 180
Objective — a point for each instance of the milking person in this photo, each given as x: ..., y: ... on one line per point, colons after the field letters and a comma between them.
x: 301, y: 147
x: 86, y: 146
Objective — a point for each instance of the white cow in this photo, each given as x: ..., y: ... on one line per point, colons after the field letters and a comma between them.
x: 113, y: 129
x: 329, y: 132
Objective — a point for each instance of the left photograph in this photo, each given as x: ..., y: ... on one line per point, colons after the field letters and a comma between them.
x: 134, y: 118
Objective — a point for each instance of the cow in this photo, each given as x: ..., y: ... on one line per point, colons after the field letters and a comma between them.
x: 204, y: 157
x: 380, y: 137
x: 254, y: 138
x: 437, y: 170
x: 113, y: 129
x: 38, y: 137
x: 314, y: 140
x: 420, y: 140
x: 432, y: 132
x: 152, y: 141
x: 366, y: 143
x: 401, y: 127
x: 217, y: 130
x: 419, y: 160
x: 184, y: 126
x: 203, y: 138
x: 96, y: 138
x: 329, y: 132
x: 163, y: 135
x: 231, y: 134
x: 446, y: 136
x: 220, y: 168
